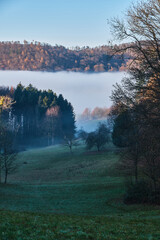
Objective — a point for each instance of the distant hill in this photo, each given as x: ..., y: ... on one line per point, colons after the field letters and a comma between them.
x: 35, y: 56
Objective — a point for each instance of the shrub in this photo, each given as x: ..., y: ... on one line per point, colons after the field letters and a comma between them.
x: 98, y: 138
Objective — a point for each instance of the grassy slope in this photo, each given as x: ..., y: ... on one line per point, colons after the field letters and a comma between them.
x: 53, y: 181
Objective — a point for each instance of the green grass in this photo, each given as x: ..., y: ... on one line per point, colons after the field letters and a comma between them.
x: 53, y: 180
x: 47, y: 226
x: 56, y: 195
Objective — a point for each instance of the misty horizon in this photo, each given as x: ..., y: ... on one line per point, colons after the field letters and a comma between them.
x: 83, y: 90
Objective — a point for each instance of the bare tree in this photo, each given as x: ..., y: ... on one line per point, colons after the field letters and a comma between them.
x: 7, y: 154
x: 140, y: 90
x: 70, y: 142
x: 9, y: 164
x: 140, y: 26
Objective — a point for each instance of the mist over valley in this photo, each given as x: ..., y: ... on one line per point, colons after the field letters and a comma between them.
x: 83, y: 90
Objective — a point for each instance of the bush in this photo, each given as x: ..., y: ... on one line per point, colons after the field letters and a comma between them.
x: 137, y: 193
x: 98, y: 138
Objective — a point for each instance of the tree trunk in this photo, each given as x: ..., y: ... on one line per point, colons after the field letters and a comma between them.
x: 136, y: 171
x: 6, y: 175
x: 0, y: 169
x: 70, y: 147
x: 155, y: 185
x: 98, y: 148
x: 6, y: 168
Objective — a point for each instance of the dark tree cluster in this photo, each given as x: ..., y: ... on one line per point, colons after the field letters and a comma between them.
x: 136, y: 111
x: 96, y: 139
x: 35, y: 56
x: 38, y: 117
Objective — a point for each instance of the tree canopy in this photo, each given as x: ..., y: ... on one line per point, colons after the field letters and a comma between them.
x: 36, y: 56
x: 137, y: 99
x: 38, y: 116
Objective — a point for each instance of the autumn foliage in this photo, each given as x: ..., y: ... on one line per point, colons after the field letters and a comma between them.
x: 35, y: 56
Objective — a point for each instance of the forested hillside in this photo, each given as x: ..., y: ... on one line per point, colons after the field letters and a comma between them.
x: 36, y: 117
x: 35, y: 56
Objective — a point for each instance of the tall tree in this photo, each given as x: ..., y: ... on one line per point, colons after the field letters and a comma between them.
x: 7, y: 154
x: 139, y: 92
x: 40, y: 115
x: 67, y: 118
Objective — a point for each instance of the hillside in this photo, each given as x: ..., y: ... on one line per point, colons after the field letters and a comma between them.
x: 56, y: 195
x: 35, y: 56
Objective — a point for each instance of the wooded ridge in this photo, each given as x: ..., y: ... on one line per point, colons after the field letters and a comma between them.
x: 36, y: 56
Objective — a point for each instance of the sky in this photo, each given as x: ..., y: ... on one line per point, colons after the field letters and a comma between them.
x: 64, y: 22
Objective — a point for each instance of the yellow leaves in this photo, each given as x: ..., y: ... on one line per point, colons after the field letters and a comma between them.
x: 5, y: 102
x: 151, y: 91
x: 1, y: 101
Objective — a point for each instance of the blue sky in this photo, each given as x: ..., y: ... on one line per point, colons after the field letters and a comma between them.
x: 66, y: 22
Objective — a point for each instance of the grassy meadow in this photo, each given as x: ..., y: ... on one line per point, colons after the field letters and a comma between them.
x: 58, y: 195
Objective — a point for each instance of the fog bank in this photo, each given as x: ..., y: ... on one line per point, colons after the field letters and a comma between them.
x: 81, y: 89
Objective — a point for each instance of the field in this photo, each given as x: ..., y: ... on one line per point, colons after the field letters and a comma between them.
x: 58, y: 195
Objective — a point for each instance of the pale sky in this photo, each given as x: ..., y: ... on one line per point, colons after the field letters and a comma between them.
x: 63, y: 22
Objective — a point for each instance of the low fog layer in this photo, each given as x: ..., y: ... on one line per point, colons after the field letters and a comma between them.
x: 81, y: 89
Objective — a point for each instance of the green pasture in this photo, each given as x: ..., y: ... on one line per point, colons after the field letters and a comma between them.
x: 58, y: 195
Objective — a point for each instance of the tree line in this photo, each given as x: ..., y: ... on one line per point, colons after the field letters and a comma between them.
x: 36, y: 117
x: 36, y: 56
x: 136, y: 111
x: 31, y: 118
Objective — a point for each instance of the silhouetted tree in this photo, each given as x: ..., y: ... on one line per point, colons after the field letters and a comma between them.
x: 9, y: 164
x: 7, y: 155
x: 139, y: 93
x: 123, y: 129
x: 98, y: 138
